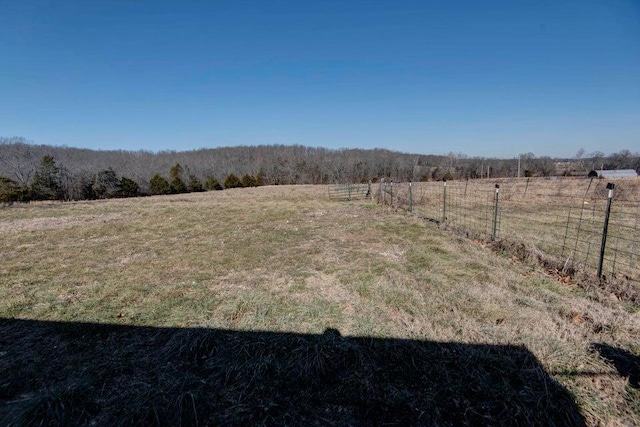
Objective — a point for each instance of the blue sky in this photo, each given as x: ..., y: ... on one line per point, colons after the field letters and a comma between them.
x: 486, y: 78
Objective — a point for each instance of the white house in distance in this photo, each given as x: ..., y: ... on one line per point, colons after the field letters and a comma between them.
x: 612, y: 174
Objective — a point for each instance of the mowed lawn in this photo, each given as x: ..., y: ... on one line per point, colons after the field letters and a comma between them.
x: 287, y: 259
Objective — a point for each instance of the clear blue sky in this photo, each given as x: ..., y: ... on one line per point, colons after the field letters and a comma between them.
x: 487, y: 78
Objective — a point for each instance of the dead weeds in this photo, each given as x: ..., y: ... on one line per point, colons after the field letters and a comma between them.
x: 287, y: 259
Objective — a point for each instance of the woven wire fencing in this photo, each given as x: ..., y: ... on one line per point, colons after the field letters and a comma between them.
x: 349, y: 191
x: 564, y: 219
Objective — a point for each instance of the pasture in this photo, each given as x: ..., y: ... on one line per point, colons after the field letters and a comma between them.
x: 561, y: 218
x: 277, y: 305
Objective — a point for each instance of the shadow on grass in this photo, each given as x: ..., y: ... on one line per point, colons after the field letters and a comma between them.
x: 93, y: 374
x: 626, y: 363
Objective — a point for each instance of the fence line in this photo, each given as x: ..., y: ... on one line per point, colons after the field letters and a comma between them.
x: 563, y: 223
x: 349, y: 191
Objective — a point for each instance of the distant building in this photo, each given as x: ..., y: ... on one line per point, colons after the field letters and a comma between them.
x: 612, y: 174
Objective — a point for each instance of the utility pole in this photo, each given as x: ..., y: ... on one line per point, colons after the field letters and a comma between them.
x: 518, y: 166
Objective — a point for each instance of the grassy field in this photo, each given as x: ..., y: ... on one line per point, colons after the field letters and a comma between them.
x: 278, y: 306
x: 561, y: 217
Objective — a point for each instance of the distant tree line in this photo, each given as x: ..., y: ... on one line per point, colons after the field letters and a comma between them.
x: 53, y: 182
x: 41, y: 172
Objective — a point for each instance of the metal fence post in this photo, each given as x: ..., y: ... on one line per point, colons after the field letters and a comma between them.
x: 566, y: 231
x: 495, y: 214
x: 444, y: 202
x: 384, y: 194
x: 349, y: 190
x: 610, y: 187
x: 410, y: 198
x: 391, y: 203
x: 635, y: 237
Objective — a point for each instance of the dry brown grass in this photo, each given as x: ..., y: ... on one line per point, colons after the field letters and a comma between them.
x: 287, y: 259
x: 563, y: 218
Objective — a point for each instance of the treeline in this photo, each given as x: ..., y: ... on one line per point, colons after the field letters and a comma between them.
x: 53, y: 182
x: 39, y: 172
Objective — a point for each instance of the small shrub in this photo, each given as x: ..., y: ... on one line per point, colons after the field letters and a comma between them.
x: 11, y: 191
x: 105, y: 184
x: 159, y: 185
x: 46, y: 183
x: 212, y: 184
x: 249, y: 181
x: 194, y: 184
x: 178, y: 186
x: 128, y: 188
x: 232, y: 181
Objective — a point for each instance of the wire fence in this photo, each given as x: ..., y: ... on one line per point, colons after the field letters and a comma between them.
x: 349, y: 191
x: 580, y: 223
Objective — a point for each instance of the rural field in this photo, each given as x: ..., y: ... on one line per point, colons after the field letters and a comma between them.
x: 278, y: 306
x: 560, y: 218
